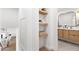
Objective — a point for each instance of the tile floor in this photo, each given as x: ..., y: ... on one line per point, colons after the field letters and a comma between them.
x: 67, y: 46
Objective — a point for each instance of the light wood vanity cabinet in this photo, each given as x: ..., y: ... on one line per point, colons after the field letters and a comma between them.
x: 69, y: 35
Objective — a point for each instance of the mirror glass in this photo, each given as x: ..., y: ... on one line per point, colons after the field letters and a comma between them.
x: 77, y: 17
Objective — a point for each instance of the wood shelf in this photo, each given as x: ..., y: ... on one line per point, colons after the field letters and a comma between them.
x: 43, y: 34
x: 43, y: 12
x: 43, y: 23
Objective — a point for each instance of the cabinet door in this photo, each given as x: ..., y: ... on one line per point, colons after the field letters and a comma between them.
x: 65, y: 34
x: 29, y: 40
x: 74, y: 32
x: 74, y: 39
x: 74, y: 36
x: 60, y: 33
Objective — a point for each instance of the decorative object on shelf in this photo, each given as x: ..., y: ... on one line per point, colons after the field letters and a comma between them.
x: 43, y: 11
x: 40, y: 20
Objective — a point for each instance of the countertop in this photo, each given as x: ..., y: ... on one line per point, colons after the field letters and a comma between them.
x: 73, y: 28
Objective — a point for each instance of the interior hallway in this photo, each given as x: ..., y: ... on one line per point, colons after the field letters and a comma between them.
x: 67, y: 46
x: 12, y: 45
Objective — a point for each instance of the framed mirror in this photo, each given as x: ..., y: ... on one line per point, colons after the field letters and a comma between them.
x: 68, y: 18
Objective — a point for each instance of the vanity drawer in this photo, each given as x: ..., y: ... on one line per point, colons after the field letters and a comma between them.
x: 74, y: 39
x: 74, y: 32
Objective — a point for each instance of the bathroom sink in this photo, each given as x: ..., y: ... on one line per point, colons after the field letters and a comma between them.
x: 73, y: 28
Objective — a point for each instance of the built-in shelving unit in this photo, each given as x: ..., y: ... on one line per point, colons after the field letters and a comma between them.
x: 43, y: 24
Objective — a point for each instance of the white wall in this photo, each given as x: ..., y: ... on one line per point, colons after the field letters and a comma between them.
x: 12, y: 31
x: 52, y: 41
x: 9, y: 19
x: 0, y: 16
x: 66, y: 9
x: 29, y: 29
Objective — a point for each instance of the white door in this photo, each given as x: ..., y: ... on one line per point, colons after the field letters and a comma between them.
x: 29, y: 29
